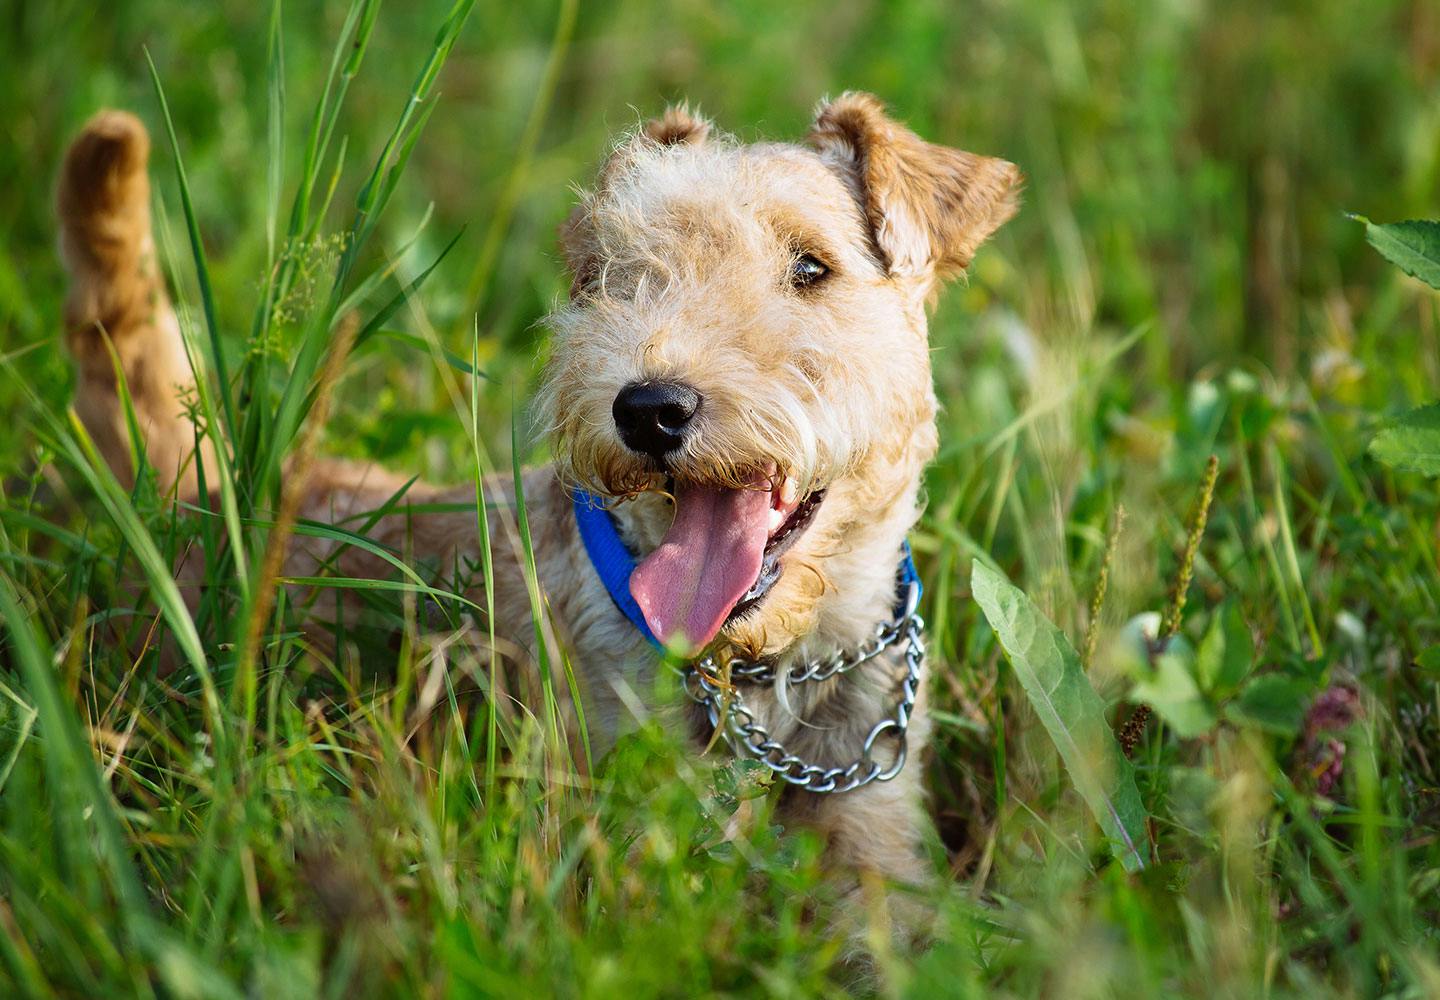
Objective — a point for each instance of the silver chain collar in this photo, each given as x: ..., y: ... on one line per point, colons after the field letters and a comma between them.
x: 727, y: 712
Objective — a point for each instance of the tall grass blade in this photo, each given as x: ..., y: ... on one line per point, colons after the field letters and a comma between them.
x: 275, y: 135
x: 389, y: 165
x: 487, y: 566
x: 225, y: 479
x: 202, y: 268
x: 504, y: 209
x: 537, y: 614
x: 68, y: 761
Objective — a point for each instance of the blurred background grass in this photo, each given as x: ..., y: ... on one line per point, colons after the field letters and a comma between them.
x: 1188, y: 165
x: 1182, y: 280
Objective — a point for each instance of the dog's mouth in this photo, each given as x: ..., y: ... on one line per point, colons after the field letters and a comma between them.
x: 720, y: 558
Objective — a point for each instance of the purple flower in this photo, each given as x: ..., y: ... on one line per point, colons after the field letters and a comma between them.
x: 1321, y: 756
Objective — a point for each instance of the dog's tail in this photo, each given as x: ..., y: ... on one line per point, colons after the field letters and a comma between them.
x: 117, y: 295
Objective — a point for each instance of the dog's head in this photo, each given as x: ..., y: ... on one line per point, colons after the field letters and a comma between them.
x: 743, y: 359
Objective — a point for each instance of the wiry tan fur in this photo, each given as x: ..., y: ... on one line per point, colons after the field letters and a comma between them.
x: 117, y: 295
x: 679, y: 257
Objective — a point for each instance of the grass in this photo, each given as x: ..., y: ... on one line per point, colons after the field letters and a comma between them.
x: 1183, y: 282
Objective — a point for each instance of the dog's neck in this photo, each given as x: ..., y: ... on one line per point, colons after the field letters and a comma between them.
x: 860, y: 576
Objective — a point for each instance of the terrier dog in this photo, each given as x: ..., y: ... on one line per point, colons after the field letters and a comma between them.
x: 740, y: 407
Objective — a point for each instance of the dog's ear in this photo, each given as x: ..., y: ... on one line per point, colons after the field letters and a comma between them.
x: 929, y: 207
x: 677, y: 126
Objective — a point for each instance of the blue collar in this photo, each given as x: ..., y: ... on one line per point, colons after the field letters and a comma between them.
x: 613, y: 562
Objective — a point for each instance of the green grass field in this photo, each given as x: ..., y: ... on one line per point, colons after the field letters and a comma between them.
x: 1183, y: 281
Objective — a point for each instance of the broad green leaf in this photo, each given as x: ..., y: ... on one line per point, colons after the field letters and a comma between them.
x: 1073, y: 714
x: 1227, y: 652
x: 1413, y: 246
x: 1273, y: 702
x: 1429, y: 660
x: 1411, y: 442
x: 1172, y: 692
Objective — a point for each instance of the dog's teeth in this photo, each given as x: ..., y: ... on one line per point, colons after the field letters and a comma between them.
x: 777, y: 518
x: 789, y: 491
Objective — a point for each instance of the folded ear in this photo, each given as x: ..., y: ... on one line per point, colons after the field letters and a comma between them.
x: 929, y: 207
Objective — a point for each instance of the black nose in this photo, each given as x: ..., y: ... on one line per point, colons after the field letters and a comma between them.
x: 652, y: 416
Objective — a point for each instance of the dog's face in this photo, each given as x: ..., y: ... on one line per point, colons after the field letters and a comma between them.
x: 744, y: 357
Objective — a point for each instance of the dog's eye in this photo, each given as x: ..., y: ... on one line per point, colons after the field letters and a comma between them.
x: 806, y: 270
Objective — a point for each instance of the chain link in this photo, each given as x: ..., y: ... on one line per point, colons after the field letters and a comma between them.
x: 727, y: 712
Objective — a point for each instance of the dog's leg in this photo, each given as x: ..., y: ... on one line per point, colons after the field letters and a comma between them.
x: 875, y: 835
x: 116, y: 292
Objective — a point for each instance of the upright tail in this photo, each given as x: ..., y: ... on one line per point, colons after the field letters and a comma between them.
x: 116, y: 292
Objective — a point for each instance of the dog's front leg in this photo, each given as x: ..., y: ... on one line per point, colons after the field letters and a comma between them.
x: 874, y: 841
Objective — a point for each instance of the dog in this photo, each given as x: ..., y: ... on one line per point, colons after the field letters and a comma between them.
x: 740, y: 409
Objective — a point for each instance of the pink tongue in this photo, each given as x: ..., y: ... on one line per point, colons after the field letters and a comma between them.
x: 705, y: 563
